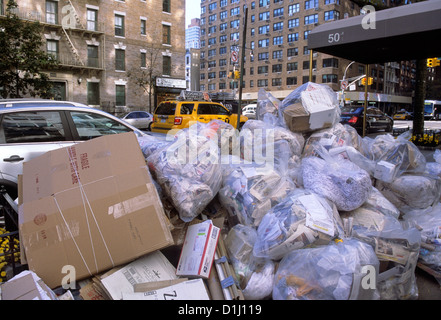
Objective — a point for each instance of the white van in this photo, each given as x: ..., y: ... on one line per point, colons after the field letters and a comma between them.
x: 250, y: 111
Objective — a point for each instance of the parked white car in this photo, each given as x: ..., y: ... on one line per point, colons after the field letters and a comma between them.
x: 250, y: 111
x: 29, y: 128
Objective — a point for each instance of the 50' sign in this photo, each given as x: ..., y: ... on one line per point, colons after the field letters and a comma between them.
x: 335, y: 37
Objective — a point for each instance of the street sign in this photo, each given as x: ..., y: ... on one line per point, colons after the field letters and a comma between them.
x: 344, y: 84
x: 234, y: 56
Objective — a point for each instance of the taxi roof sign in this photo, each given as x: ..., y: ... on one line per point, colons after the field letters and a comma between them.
x: 194, y: 96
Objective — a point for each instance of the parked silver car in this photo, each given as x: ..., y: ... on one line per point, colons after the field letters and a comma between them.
x: 29, y: 128
x: 139, y: 119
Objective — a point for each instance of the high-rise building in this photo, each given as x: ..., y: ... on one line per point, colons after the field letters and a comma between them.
x: 277, y: 57
x: 109, y: 51
x: 193, y: 34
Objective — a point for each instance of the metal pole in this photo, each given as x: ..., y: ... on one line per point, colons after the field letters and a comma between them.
x: 343, y: 90
x: 310, y: 65
x: 365, y: 99
x: 242, y: 63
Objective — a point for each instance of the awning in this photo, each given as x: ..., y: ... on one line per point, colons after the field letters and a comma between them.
x: 406, y: 32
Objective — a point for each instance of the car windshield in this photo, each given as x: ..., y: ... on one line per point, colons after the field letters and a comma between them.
x: 166, y: 108
x: 350, y: 109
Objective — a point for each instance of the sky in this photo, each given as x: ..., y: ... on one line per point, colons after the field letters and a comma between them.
x: 192, y: 10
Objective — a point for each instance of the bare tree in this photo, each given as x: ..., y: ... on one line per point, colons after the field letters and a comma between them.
x: 145, y: 77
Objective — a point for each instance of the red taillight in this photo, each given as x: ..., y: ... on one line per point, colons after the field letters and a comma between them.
x: 353, y: 119
x: 153, y: 119
x: 178, y: 120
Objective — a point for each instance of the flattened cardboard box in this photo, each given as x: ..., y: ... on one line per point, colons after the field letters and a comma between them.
x: 92, y: 206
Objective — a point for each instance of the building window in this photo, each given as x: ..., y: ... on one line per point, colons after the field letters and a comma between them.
x: 143, y: 60
x: 263, y: 43
x: 278, y: 12
x: 263, y: 3
x: 262, y: 69
x: 263, y: 56
x: 278, y: 54
x: 291, y: 81
x: 292, y: 52
x: 165, y: 34
x: 276, y: 82
x: 52, y: 48
x: 264, y: 15
x: 263, y: 29
x: 92, y: 56
x: 330, y: 62
x: 92, y: 19
x: 93, y: 93
x: 329, y: 78
x: 262, y: 83
x: 120, y: 60
x: 291, y: 66
x: 306, y: 64
x: 332, y: 15
x: 311, y: 4
x: 278, y: 40
x: 277, y: 68
x: 292, y: 23
x: 119, y: 25
x: 143, y: 27
x: 293, y: 37
x: 166, y: 6
x: 120, y: 95
x: 52, y: 12
x: 313, y: 18
x: 166, y: 65
x: 278, y: 26
x: 293, y: 8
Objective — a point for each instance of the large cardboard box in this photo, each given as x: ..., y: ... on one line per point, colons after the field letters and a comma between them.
x: 88, y: 208
x: 198, y: 251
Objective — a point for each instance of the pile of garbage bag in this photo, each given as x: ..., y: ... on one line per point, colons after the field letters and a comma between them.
x: 315, y: 211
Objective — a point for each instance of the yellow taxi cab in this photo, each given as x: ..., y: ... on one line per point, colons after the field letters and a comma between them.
x: 177, y: 114
x: 402, y: 115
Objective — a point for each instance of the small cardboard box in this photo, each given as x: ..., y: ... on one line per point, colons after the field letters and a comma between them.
x: 296, y: 117
x: 91, y: 206
x: 198, y: 250
x: 26, y: 286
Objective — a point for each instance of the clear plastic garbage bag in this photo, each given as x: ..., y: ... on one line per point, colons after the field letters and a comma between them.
x: 337, y: 271
x: 301, y: 220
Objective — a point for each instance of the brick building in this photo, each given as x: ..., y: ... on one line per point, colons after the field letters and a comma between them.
x: 277, y: 58
x: 105, y: 46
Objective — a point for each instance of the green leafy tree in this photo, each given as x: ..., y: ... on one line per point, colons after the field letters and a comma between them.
x: 22, y: 58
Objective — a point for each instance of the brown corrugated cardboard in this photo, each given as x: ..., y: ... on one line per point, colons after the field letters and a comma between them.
x: 92, y: 206
x: 296, y: 117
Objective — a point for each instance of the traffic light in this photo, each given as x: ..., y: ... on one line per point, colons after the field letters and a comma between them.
x: 433, y: 62
x: 230, y: 75
x: 236, y: 74
x: 370, y: 81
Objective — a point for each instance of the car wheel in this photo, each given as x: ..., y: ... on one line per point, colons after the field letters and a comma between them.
x: 389, y: 127
x: 149, y: 128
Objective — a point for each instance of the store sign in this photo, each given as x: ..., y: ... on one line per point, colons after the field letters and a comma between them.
x: 171, y: 83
